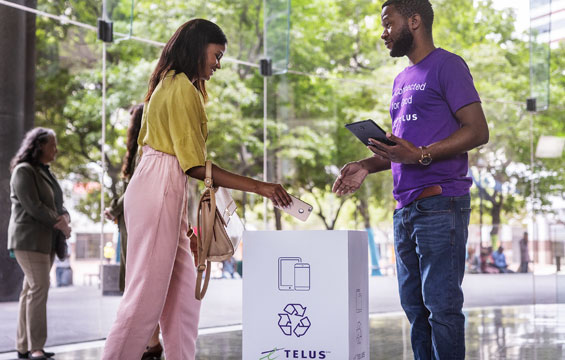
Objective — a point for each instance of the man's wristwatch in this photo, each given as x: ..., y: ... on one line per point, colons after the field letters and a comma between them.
x: 426, y: 158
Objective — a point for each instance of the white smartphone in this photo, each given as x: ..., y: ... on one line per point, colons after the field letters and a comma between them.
x: 302, y: 277
x: 299, y: 209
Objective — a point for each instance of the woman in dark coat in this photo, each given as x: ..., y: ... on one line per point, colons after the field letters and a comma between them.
x: 37, y: 221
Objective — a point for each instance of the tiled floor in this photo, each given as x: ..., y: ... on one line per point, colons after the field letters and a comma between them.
x: 82, y: 314
x: 505, y: 333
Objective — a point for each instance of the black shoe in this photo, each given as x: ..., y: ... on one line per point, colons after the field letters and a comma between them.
x: 46, y: 355
x: 40, y: 357
x: 153, y: 352
x: 23, y: 355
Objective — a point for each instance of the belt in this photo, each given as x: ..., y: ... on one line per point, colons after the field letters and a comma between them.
x: 430, y: 191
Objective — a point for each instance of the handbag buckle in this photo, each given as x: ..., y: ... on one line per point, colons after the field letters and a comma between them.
x: 227, y: 216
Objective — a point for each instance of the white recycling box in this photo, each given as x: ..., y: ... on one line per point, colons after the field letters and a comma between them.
x: 305, y: 295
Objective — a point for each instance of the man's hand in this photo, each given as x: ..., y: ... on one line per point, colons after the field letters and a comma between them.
x: 350, y: 178
x: 403, y: 152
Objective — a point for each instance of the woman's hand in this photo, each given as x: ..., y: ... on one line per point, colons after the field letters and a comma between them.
x: 63, y: 225
x: 108, y: 215
x: 276, y: 193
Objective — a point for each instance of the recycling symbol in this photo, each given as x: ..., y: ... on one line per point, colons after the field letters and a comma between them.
x: 292, y: 320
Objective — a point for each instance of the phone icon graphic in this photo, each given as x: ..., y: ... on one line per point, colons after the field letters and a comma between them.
x: 302, y: 277
x: 286, y: 272
x: 358, y: 301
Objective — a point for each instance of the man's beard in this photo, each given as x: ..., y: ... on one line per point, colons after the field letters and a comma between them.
x: 402, y: 45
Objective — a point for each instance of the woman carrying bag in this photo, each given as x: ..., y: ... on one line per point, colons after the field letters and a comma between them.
x: 37, y: 223
x: 160, y: 272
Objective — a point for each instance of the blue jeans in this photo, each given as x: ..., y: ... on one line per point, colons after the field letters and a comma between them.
x: 430, y: 236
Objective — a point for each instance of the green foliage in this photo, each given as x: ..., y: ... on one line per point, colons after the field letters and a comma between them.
x: 337, y: 40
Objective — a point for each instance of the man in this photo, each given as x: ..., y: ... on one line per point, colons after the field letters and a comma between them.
x: 436, y: 118
x: 500, y: 260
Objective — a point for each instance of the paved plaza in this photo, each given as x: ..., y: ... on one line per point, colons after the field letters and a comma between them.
x: 502, y: 323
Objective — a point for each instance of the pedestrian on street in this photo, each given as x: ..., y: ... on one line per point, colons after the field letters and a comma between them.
x: 524, y: 253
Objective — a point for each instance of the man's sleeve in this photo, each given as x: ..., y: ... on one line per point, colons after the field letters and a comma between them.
x: 457, y: 84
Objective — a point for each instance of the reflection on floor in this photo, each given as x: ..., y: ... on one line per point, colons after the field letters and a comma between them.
x: 507, y: 333
x: 517, y: 332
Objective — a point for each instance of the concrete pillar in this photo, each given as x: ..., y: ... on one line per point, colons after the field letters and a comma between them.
x: 30, y: 61
x: 17, y: 74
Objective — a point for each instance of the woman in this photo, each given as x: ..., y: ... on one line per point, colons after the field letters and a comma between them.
x: 115, y: 212
x: 160, y: 275
x: 37, y: 217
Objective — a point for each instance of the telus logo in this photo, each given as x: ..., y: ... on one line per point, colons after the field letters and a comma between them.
x: 293, y: 354
x: 305, y: 354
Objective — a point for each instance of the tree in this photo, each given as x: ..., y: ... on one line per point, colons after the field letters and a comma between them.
x: 307, y: 141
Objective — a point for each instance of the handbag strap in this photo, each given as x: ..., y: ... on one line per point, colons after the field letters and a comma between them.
x: 206, y: 225
x: 208, y: 181
x: 205, y: 240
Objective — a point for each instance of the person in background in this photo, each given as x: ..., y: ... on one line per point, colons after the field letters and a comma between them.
x: 524, y: 253
x: 499, y: 260
x: 473, y: 261
x: 229, y: 267
x: 115, y: 212
x: 63, y: 271
x: 37, y: 216
x: 160, y: 272
x: 487, y: 261
x: 109, y: 251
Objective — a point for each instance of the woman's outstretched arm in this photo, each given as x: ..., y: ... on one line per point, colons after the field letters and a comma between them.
x: 275, y: 192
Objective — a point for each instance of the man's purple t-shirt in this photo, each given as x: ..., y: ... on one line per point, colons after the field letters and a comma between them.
x: 425, y: 98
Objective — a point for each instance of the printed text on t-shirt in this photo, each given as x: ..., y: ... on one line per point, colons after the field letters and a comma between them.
x: 405, y: 101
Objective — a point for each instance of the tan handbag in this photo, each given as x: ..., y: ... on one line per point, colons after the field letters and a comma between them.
x: 216, y: 216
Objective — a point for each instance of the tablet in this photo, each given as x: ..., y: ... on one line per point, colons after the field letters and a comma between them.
x: 286, y: 272
x: 366, y: 129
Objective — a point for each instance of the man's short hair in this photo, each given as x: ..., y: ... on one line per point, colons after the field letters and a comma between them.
x: 408, y: 8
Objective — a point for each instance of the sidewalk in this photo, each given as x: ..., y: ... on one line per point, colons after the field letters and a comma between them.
x: 81, y: 313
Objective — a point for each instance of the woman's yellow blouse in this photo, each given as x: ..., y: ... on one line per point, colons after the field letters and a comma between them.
x: 174, y: 121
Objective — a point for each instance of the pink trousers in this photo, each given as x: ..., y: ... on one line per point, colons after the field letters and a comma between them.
x: 160, y: 272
